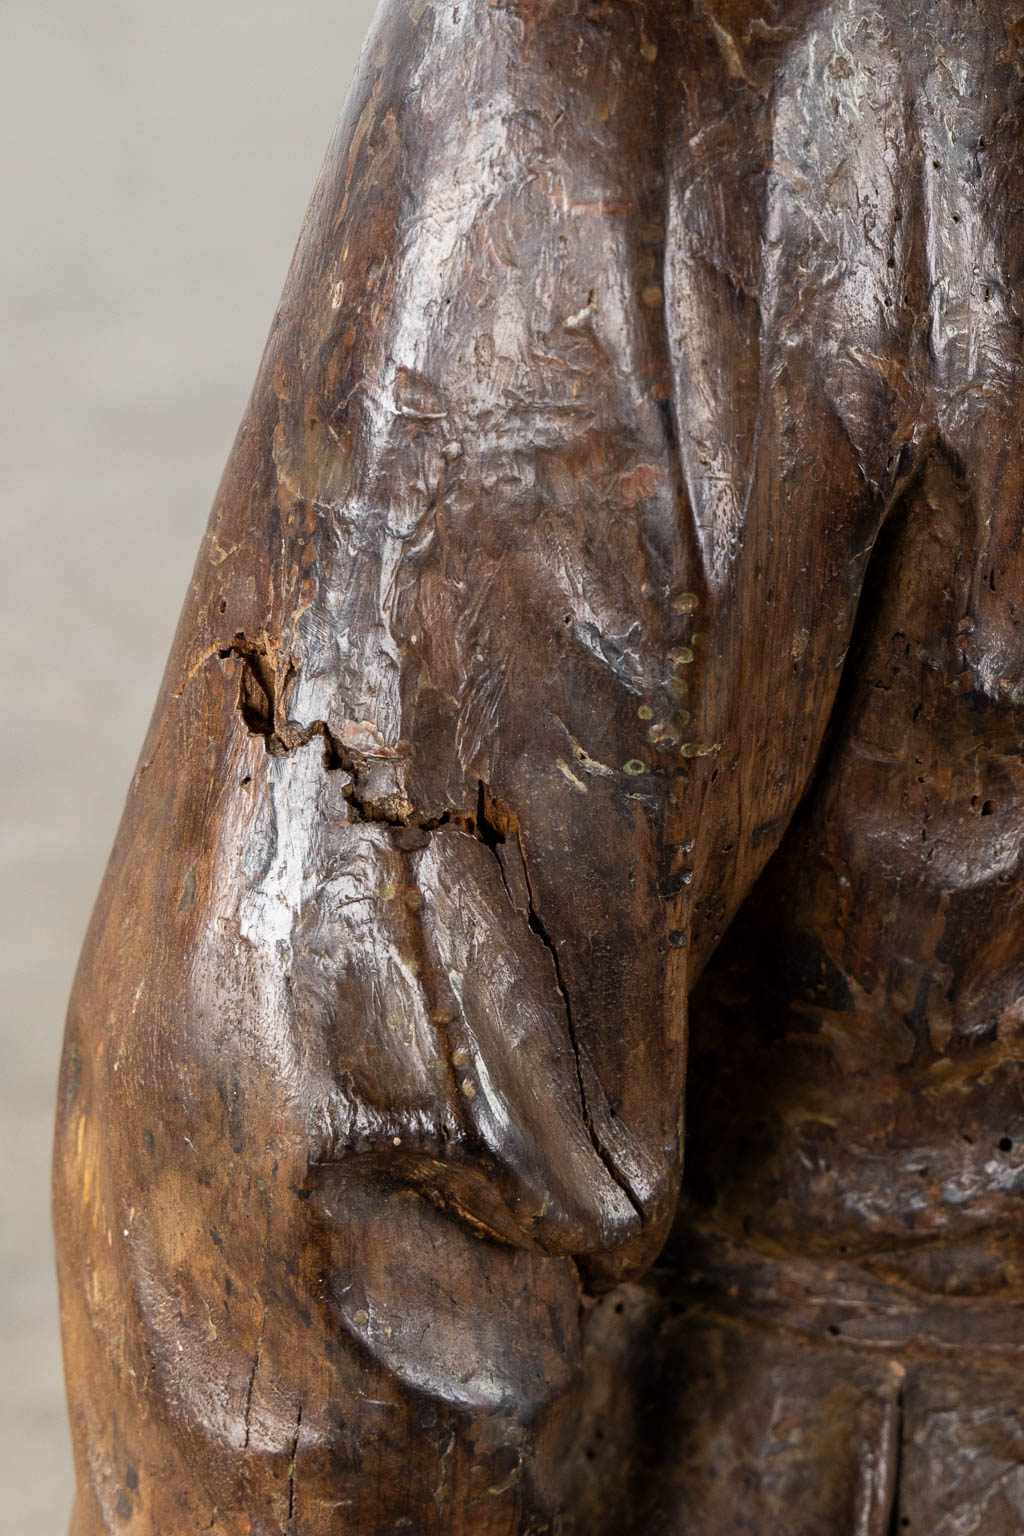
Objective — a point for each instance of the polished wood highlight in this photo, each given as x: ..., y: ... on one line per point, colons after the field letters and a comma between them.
x: 600, y: 695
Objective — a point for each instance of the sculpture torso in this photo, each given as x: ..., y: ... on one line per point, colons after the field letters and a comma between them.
x: 887, y: 933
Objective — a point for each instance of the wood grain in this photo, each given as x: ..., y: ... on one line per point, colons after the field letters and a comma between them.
x: 608, y: 632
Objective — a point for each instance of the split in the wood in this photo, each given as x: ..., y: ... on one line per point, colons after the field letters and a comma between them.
x: 492, y: 823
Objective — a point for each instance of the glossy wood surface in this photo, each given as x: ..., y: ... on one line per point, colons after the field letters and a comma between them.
x: 607, y: 637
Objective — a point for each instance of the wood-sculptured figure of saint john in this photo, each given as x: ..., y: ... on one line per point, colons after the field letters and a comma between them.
x: 595, y: 725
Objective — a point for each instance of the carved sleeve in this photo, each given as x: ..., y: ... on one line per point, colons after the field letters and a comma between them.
x: 485, y: 710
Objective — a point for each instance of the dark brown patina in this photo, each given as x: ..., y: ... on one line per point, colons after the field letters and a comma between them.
x: 608, y: 635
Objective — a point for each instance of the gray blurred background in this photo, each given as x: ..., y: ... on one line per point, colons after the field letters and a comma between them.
x: 157, y: 156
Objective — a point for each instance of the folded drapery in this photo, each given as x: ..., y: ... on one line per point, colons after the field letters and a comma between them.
x: 634, y: 460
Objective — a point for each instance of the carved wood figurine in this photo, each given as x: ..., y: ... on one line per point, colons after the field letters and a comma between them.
x: 612, y: 608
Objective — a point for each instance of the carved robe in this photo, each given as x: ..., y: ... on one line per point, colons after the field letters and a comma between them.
x: 607, y: 637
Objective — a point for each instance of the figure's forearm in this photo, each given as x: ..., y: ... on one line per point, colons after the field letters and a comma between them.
x: 506, y: 659
x: 368, y: 1056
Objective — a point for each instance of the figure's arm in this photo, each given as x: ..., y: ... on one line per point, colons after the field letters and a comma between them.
x: 377, y: 1049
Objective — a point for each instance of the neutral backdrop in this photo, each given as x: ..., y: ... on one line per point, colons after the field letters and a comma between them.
x: 156, y: 157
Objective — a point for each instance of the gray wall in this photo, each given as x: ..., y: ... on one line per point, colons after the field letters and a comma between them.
x: 157, y: 156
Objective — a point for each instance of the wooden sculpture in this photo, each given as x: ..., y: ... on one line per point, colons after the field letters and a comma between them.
x: 615, y: 596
